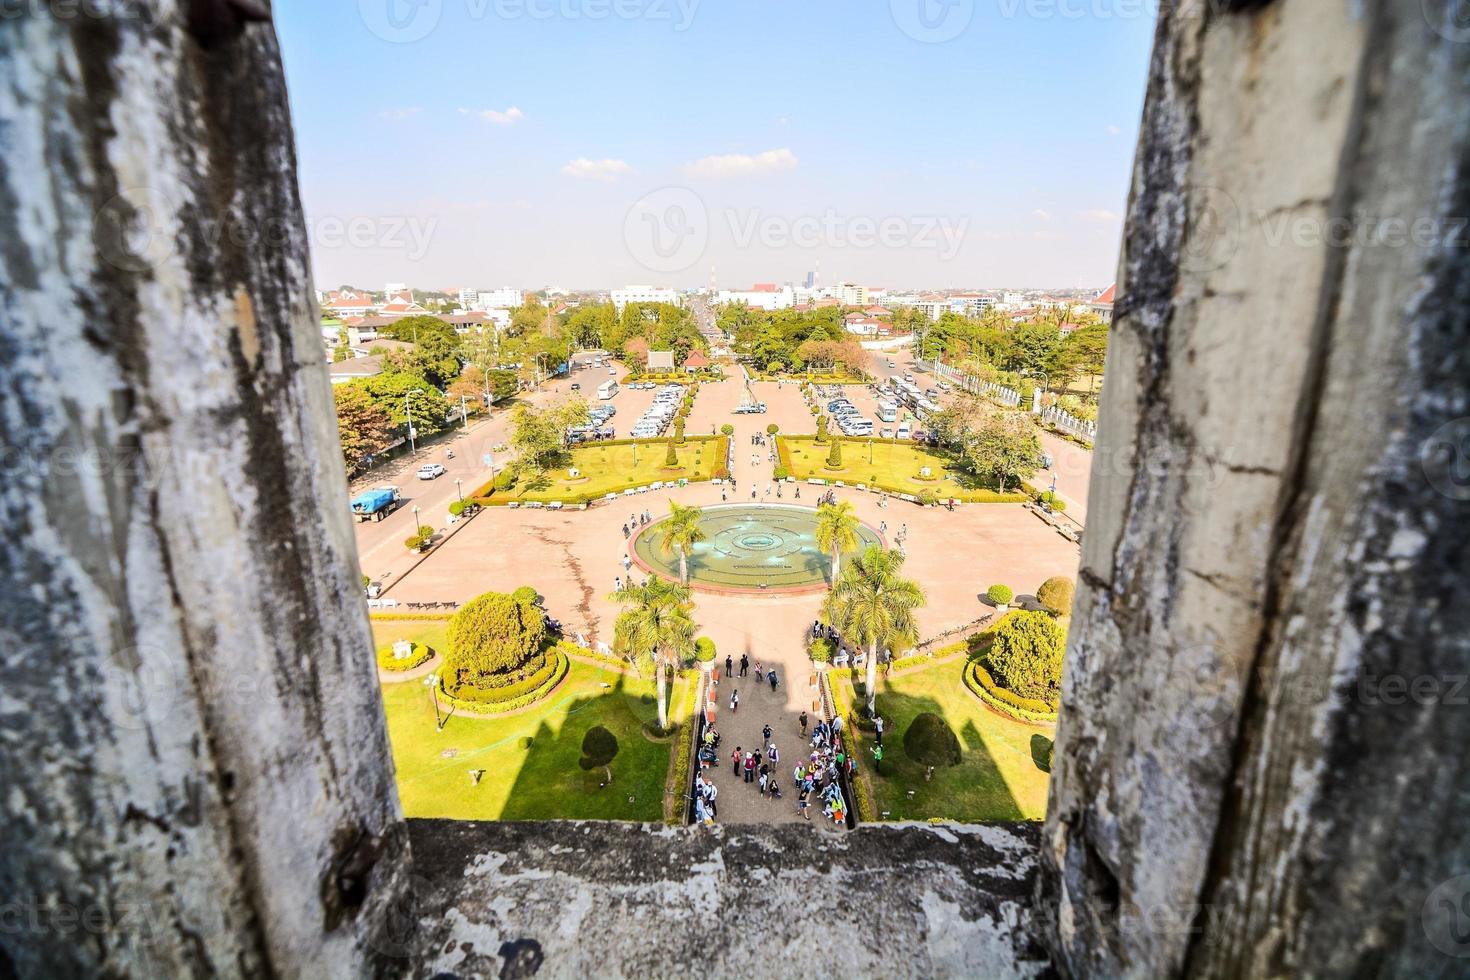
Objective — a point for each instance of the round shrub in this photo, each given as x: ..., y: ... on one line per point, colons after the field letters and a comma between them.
x: 1025, y: 656
x: 456, y: 507
x: 781, y: 473
x: 494, y: 635
x: 1001, y: 595
x: 834, y: 457
x: 823, y: 650
x: 525, y: 595
x: 1056, y: 595
x: 599, y: 748
x: 772, y: 429
x: 704, y: 650
x: 504, y: 480
x: 930, y: 742
x: 727, y: 430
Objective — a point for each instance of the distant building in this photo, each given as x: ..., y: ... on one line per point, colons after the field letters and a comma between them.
x: 350, y: 302
x: 661, y: 360
x: 867, y: 326
x: 696, y: 361
x: 643, y: 294
x: 811, y: 280
x: 761, y: 296
x: 851, y: 294
x: 354, y: 369
x: 1102, y: 305
x: 504, y: 298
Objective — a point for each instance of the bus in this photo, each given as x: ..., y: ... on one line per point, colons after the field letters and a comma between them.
x: 607, y: 389
x: 887, y: 411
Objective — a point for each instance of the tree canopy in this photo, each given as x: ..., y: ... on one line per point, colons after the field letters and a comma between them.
x: 494, y: 634
x: 1026, y: 655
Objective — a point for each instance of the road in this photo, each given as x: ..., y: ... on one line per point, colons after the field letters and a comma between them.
x: 380, y: 543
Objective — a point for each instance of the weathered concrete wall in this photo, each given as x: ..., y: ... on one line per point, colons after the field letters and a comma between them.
x: 195, y: 772
x: 640, y: 901
x: 1278, y: 516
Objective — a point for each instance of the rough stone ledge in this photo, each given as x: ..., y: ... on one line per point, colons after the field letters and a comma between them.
x: 579, y: 899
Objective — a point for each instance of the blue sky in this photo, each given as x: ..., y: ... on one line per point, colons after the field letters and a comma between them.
x: 440, y: 140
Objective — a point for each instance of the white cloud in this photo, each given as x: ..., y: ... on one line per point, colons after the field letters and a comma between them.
x: 585, y: 169
x: 1114, y: 130
x: 1040, y: 214
x: 398, y: 115
x: 742, y: 164
x: 506, y: 118
x: 1098, y: 215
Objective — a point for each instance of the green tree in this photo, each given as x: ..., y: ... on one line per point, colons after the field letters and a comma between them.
x: 1026, y: 653
x: 834, y: 456
x: 539, y: 435
x: 599, y: 748
x: 1005, y: 447
x: 671, y: 458
x: 931, y: 742
x: 494, y: 635
x: 873, y: 605
x: 681, y: 532
x: 399, y: 393
x: 837, y: 531
x: 656, y: 624
x: 363, y: 427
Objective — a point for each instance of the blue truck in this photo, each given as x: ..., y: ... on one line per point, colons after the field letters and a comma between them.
x: 375, y: 504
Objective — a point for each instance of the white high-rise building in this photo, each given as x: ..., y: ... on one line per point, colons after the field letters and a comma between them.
x: 504, y: 298
x: 643, y: 294
x: 851, y: 294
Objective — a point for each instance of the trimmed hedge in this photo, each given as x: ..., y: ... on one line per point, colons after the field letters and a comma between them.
x: 387, y: 661
x: 510, y: 697
x: 983, y: 686
x: 684, y: 751
x: 865, y: 808
x: 822, y: 650
x: 487, y: 496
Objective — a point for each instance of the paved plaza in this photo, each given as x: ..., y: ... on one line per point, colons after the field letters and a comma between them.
x: 573, y: 558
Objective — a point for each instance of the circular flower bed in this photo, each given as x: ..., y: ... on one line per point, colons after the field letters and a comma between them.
x: 387, y: 660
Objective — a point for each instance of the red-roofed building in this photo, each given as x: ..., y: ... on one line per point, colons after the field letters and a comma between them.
x: 867, y: 326
x: 763, y: 287
x: 1103, y: 304
x: 696, y: 361
x: 350, y: 302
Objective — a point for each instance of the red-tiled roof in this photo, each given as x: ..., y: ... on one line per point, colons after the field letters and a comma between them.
x: 1106, y: 296
x: 696, y: 359
x: 763, y: 287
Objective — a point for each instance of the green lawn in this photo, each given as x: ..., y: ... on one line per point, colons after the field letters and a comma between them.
x: 612, y: 468
x: 545, y: 781
x: 431, y: 633
x: 998, y: 777
x: 895, y: 466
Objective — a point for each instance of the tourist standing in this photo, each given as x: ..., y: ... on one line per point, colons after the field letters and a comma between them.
x: 729, y: 666
x: 744, y: 664
x: 766, y: 735
x: 771, y: 675
x: 803, y: 723
x: 734, y: 701
x: 878, y: 726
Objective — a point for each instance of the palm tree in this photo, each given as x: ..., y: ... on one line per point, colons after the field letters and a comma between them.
x: 873, y: 606
x: 657, y: 624
x: 837, y: 531
x: 682, y: 532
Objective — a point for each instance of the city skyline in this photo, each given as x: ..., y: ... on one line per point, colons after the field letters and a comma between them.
x: 762, y: 144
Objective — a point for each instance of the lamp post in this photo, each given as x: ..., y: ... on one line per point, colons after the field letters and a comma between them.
x: 416, y: 523
x: 458, y: 489
x: 408, y: 411
x: 432, y: 683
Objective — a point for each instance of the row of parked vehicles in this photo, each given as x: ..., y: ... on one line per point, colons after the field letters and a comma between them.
x: 852, y: 422
x: 597, y: 427
x: 660, y: 414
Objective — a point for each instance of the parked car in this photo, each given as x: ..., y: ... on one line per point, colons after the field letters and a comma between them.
x: 430, y: 471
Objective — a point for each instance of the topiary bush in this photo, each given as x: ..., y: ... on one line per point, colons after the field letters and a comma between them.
x: 930, y: 742
x: 823, y: 650
x: 772, y: 429
x: 704, y: 650
x: 727, y: 430
x: 493, y: 636
x: 671, y: 459
x: 1025, y: 656
x: 599, y: 748
x: 526, y: 595
x: 1001, y: 595
x: 834, y: 457
x: 1056, y: 595
x: 504, y: 480
x: 781, y: 473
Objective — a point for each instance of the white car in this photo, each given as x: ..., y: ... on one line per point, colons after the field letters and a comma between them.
x: 430, y: 471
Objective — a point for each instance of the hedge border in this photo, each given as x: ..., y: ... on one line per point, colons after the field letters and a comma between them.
x: 684, y: 751
x: 421, y: 655
x: 561, y: 664
x: 867, y: 810
x: 975, y: 677
x: 486, y: 495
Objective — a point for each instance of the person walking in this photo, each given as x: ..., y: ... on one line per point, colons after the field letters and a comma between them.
x: 744, y: 664
x: 798, y: 497
x: 617, y: 583
x: 750, y: 767
x: 734, y: 701
x: 773, y: 756
x: 803, y: 723
x: 766, y: 734
x: 878, y: 726
x: 771, y: 675
x: 736, y: 758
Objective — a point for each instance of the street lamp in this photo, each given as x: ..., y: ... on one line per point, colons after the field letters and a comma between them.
x: 432, y: 683
x: 416, y: 523
x: 459, y: 490
x: 408, y: 410
x: 1045, y: 378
